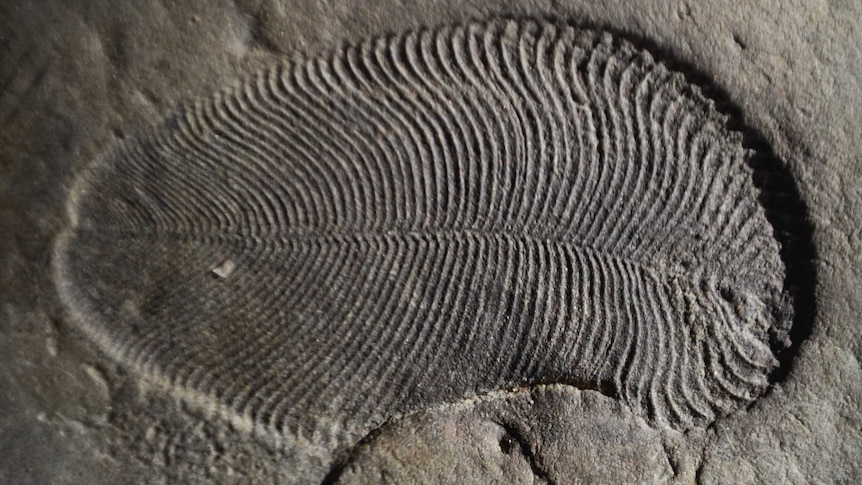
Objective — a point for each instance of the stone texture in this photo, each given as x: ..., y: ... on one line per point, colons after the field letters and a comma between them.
x: 78, y: 76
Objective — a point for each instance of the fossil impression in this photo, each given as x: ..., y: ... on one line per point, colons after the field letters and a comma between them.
x: 426, y: 217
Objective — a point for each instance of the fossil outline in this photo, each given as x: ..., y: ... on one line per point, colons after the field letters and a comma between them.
x: 410, y: 120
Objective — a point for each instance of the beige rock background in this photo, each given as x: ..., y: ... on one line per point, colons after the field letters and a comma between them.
x: 78, y: 76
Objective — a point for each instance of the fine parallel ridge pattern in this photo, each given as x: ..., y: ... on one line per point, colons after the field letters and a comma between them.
x: 425, y: 217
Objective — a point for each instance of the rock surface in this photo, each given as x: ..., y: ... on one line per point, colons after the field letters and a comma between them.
x: 78, y: 77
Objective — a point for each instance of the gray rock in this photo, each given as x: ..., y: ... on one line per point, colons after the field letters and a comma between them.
x: 79, y: 77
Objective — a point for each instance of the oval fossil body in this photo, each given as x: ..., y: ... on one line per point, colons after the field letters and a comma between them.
x: 422, y: 218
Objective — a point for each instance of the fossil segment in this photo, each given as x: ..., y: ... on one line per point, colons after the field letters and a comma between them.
x: 425, y: 217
